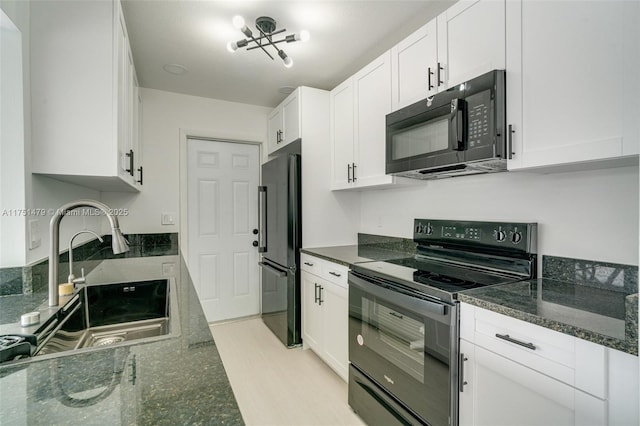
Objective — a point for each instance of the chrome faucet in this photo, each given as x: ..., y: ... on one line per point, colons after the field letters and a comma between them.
x: 72, y: 278
x: 118, y: 244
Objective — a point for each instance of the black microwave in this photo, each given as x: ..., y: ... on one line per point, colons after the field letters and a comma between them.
x: 457, y: 132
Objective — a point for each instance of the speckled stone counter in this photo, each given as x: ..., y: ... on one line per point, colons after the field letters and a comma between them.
x: 348, y: 255
x: 175, y: 380
x: 591, y: 301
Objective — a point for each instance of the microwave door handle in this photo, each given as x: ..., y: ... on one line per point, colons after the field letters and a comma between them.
x: 458, y: 125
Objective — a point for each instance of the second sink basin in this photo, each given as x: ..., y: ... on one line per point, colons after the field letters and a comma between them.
x: 108, y: 314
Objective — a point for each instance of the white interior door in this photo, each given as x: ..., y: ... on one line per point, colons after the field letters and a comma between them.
x: 222, y: 199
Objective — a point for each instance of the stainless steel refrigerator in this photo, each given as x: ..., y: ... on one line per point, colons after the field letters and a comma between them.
x: 279, y: 242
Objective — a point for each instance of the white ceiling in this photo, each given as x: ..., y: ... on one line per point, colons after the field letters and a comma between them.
x: 345, y: 35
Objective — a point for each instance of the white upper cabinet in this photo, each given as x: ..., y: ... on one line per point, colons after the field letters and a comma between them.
x: 342, y: 133
x: 84, y: 95
x: 465, y: 41
x: 284, y: 123
x: 358, y: 115
x: 573, y: 85
x: 471, y: 40
x: 413, y: 62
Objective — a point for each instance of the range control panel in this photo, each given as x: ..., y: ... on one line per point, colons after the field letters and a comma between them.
x: 506, y: 235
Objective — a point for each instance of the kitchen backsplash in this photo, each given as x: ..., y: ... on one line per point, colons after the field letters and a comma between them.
x: 387, y: 243
x: 33, y: 278
x: 592, y: 273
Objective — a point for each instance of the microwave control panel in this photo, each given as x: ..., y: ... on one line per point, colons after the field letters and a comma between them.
x: 480, y: 130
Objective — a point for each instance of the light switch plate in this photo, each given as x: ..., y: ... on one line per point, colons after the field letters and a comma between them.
x: 168, y: 218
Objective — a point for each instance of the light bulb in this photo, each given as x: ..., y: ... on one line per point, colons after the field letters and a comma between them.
x: 288, y: 62
x: 238, y: 21
x: 304, y: 35
x: 232, y: 46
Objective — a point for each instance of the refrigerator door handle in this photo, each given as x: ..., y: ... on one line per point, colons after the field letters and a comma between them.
x: 269, y: 268
x: 262, y: 219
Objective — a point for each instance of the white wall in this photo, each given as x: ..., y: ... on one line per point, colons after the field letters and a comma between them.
x: 167, y: 117
x: 587, y: 214
x: 12, y: 142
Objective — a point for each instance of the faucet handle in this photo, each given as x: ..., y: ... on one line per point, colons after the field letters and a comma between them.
x: 79, y: 280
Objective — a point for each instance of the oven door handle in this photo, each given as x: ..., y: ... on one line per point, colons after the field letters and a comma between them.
x: 415, y: 304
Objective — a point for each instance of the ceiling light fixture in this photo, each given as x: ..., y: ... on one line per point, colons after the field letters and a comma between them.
x: 267, y: 29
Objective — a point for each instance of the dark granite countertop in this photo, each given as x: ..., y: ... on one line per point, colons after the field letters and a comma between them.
x: 176, y: 380
x: 349, y: 255
x: 602, y: 316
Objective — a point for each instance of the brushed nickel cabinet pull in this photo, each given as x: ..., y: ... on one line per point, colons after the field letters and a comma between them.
x: 517, y: 342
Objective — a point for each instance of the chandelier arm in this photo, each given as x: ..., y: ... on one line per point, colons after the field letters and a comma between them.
x: 268, y: 37
x: 273, y: 42
x: 270, y: 34
x: 258, y: 44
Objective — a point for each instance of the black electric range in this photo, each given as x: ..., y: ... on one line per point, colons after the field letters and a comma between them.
x: 403, y: 316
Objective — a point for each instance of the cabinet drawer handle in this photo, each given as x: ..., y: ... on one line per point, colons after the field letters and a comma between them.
x: 348, y: 173
x: 440, y: 69
x: 140, y: 181
x: 335, y: 274
x: 354, y: 172
x: 510, y: 138
x: 308, y: 264
x: 320, y: 295
x: 315, y: 294
x: 517, y: 342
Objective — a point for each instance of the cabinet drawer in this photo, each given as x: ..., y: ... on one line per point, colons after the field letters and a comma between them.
x: 330, y: 271
x: 310, y: 264
x: 566, y: 358
x: 335, y: 273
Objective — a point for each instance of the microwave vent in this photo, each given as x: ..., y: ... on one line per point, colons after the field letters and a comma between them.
x: 493, y: 165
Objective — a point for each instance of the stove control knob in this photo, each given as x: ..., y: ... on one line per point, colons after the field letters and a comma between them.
x: 428, y: 229
x: 419, y: 228
x: 500, y: 235
x: 516, y: 237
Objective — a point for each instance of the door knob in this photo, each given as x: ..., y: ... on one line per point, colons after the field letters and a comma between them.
x: 255, y: 232
x: 255, y: 244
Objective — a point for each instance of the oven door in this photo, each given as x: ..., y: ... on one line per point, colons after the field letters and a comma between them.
x: 406, y: 344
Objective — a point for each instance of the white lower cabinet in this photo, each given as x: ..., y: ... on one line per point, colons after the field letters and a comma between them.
x: 499, y: 391
x: 325, y: 312
x: 516, y: 373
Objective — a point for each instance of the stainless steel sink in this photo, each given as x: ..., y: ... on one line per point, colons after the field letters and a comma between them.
x: 109, y: 314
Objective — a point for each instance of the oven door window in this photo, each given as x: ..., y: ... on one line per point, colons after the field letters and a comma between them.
x: 405, y: 341
x: 420, y: 139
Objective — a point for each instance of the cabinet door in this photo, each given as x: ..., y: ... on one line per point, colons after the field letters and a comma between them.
x: 291, y: 118
x: 123, y: 71
x: 471, y: 40
x: 311, y: 312
x: 274, y: 130
x: 341, y: 100
x: 372, y: 94
x: 572, y: 90
x: 335, y: 305
x: 413, y: 62
x: 503, y: 392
